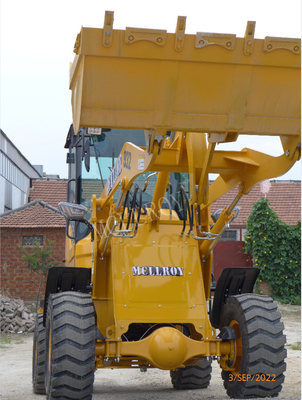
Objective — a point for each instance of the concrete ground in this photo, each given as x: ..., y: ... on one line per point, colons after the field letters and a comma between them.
x: 16, y: 364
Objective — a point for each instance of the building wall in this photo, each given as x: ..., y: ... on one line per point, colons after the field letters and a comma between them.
x: 16, y: 280
x: 15, y: 174
x: 229, y: 254
x: 14, y: 185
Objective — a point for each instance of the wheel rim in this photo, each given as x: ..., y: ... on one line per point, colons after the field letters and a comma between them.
x: 236, y: 349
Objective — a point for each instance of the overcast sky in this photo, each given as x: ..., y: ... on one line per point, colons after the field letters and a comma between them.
x: 37, y: 39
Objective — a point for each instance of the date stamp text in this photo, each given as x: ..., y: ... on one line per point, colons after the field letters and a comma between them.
x: 254, y: 377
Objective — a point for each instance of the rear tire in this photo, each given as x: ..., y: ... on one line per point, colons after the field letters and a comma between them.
x: 260, y: 347
x: 38, y: 365
x: 192, y: 377
x: 70, y: 346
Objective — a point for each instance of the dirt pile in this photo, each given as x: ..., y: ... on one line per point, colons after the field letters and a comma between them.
x: 15, y: 317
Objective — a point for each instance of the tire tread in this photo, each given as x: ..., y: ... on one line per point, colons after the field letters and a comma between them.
x: 192, y: 377
x: 264, y: 345
x: 38, y: 367
x: 73, y: 346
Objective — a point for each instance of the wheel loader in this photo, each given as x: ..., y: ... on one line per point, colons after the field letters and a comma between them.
x: 150, y: 109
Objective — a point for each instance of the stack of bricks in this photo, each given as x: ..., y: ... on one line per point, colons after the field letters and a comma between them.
x: 15, y: 317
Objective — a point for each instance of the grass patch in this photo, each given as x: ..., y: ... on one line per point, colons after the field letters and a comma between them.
x: 295, y: 346
x: 287, y: 312
x: 19, y: 341
x: 5, y: 340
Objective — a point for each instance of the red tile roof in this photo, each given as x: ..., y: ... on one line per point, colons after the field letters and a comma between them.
x: 284, y: 197
x: 52, y: 192
x: 34, y: 214
x: 39, y: 213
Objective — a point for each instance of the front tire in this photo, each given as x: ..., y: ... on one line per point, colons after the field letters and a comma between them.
x: 192, y: 377
x: 70, y: 346
x: 259, y: 362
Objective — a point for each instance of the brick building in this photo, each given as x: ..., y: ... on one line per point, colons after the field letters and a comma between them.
x: 38, y: 220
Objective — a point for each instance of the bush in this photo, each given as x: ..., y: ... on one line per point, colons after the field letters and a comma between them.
x: 276, y: 251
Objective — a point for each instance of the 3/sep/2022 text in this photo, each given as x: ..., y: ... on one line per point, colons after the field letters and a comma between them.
x: 254, y: 377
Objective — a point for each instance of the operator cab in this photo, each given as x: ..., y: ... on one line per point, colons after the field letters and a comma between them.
x: 92, y: 155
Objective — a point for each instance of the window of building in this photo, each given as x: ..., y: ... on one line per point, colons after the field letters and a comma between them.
x: 13, y: 174
x: 30, y: 240
x: 230, y: 234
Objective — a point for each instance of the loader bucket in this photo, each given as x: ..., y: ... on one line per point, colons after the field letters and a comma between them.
x: 208, y: 82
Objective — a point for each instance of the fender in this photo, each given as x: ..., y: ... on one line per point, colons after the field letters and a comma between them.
x: 66, y: 279
x: 231, y: 282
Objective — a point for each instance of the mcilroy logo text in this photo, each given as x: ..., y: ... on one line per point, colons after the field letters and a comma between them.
x: 157, y: 271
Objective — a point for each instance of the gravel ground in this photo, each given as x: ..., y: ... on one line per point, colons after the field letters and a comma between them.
x: 16, y: 358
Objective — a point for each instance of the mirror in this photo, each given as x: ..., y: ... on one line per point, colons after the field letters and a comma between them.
x: 87, y: 154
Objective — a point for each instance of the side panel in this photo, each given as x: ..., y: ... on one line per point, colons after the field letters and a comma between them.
x: 69, y: 250
x: 83, y: 251
x: 102, y: 295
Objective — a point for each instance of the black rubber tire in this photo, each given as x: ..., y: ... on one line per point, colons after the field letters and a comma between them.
x: 70, y: 346
x: 263, y: 351
x: 38, y: 364
x: 192, y: 377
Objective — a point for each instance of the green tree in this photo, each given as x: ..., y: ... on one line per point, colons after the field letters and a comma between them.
x: 39, y: 260
x: 276, y: 251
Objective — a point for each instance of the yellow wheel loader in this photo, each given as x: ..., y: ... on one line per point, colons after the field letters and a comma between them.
x: 149, y: 111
